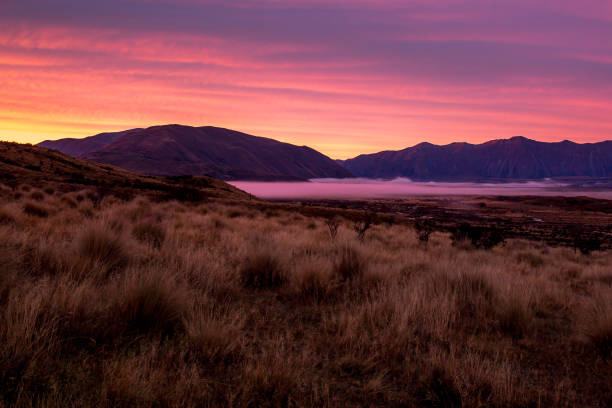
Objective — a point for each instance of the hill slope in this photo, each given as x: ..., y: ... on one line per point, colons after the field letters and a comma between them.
x: 174, y: 150
x: 515, y: 158
x: 34, y: 165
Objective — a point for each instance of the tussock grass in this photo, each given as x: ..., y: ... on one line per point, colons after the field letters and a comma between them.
x: 350, y: 264
x: 149, y: 304
x: 37, y: 195
x: 36, y: 210
x: 262, y: 269
x: 6, y: 217
x: 97, y: 244
x: 597, y: 324
x: 105, y: 302
x: 150, y: 233
x: 314, y: 281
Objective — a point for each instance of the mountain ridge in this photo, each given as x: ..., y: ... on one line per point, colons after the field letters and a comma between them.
x: 514, y: 158
x: 173, y: 150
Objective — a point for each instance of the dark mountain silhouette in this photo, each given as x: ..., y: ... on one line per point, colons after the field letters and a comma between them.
x: 515, y: 158
x: 79, y: 147
x: 175, y: 150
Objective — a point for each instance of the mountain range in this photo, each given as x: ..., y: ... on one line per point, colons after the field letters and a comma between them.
x: 515, y: 158
x: 174, y: 150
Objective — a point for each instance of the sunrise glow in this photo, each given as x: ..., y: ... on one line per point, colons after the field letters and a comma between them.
x: 344, y: 77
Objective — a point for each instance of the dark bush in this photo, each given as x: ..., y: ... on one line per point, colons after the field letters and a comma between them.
x: 586, y: 241
x: 479, y: 237
x: 423, y: 230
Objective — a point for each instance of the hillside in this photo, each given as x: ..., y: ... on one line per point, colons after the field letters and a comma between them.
x: 175, y: 150
x: 515, y: 158
x: 26, y: 164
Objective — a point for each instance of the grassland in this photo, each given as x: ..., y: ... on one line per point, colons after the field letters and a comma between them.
x: 139, y: 301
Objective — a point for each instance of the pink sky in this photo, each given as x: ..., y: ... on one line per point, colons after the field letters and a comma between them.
x: 344, y: 77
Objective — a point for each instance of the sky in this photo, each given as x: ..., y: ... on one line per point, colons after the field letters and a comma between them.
x: 342, y: 76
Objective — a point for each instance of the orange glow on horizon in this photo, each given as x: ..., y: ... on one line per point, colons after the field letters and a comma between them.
x: 61, y: 81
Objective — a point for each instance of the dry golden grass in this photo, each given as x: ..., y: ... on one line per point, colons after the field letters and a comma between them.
x: 133, y: 303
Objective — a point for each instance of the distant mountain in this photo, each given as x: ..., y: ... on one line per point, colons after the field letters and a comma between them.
x: 174, y: 150
x: 515, y: 158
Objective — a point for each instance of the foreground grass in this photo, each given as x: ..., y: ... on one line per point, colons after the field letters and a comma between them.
x: 113, y: 303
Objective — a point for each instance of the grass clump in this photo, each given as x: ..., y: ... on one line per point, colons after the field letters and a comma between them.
x: 531, y: 259
x: 214, y: 340
x: 100, y: 245
x: 262, y: 269
x: 35, y: 210
x: 597, y: 325
x: 350, y: 264
x: 150, y: 233
x: 37, y: 195
x: 313, y: 281
x: 149, y: 304
x: 6, y: 218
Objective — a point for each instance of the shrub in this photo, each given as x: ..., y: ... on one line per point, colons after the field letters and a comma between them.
x: 350, y: 265
x: 423, y: 230
x: 150, y: 233
x: 479, y: 237
x: 585, y: 241
x: 35, y: 210
x: 262, y: 269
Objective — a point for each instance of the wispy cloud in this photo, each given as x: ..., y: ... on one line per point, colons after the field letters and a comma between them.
x: 341, y: 76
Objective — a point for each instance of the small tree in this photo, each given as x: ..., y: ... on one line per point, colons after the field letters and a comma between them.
x: 333, y: 225
x: 423, y: 229
x: 363, y: 225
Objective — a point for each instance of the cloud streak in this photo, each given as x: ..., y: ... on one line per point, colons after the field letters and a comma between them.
x: 344, y: 77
